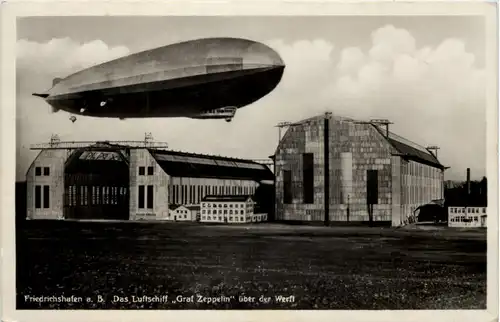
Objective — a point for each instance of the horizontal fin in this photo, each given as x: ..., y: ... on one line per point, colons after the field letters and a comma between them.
x: 41, y: 95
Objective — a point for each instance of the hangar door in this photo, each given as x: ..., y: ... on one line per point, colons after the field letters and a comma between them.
x: 96, y: 185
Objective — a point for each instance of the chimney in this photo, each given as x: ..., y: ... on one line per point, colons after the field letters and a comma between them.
x: 468, y: 182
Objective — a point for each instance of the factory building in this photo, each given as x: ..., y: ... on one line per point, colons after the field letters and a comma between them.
x: 334, y: 169
x: 230, y: 209
x: 131, y: 181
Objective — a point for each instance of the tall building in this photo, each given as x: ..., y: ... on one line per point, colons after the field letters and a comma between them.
x: 336, y: 169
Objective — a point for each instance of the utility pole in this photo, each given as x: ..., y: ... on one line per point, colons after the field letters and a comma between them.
x: 326, y: 146
x: 434, y: 149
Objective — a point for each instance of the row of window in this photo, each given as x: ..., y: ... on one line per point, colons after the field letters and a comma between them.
x: 230, y: 218
x: 38, y: 171
x: 95, y: 195
x: 465, y: 219
x: 421, y: 170
x: 469, y: 210
x: 142, y: 171
x: 221, y: 212
x: 185, y: 194
x: 214, y: 205
x: 146, y: 197
x: 42, y: 194
x: 417, y: 194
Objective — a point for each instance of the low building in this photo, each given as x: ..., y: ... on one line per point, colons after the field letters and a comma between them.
x: 334, y: 170
x: 228, y: 209
x: 172, y: 213
x: 467, y: 217
x: 182, y: 213
x: 194, y: 212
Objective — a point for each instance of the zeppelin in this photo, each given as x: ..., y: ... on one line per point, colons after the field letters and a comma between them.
x: 207, y: 78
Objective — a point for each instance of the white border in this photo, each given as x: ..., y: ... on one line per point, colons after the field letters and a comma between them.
x: 8, y: 14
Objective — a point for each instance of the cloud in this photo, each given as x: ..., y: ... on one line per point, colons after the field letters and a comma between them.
x: 434, y: 95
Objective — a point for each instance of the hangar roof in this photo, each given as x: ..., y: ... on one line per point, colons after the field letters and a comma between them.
x: 405, y: 148
x: 182, y: 164
x: 411, y: 150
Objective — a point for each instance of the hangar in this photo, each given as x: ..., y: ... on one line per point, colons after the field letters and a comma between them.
x: 130, y: 180
x: 333, y: 169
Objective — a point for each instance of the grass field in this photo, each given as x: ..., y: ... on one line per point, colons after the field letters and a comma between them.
x: 322, y: 267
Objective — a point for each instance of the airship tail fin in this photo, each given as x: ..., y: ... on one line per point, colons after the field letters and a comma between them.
x: 40, y: 95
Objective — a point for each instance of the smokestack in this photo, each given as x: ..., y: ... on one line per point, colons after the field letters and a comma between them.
x: 468, y: 181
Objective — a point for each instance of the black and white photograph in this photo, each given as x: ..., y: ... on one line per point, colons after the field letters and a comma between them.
x: 253, y: 162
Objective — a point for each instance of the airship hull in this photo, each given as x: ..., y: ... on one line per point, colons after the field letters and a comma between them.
x: 180, y: 80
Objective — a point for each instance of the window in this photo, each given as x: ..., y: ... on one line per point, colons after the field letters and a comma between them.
x: 203, y: 217
x: 287, y: 186
x: 185, y: 216
x: 151, y: 171
x: 230, y: 211
x: 38, y: 197
x: 46, y: 171
x: 141, y: 197
x: 38, y: 171
x: 230, y: 218
x: 308, y: 177
x: 150, y: 195
x: 142, y: 171
x: 372, y: 187
x: 242, y: 212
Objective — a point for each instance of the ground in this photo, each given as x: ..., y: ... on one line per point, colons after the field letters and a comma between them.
x: 322, y: 267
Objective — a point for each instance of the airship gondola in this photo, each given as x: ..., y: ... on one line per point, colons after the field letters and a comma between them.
x: 208, y: 78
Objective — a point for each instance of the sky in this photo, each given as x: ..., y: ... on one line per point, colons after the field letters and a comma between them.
x: 426, y: 74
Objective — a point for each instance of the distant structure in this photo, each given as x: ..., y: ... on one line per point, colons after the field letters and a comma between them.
x: 229, y: 209
x: 131, y: 180
x: 333, y: 170
x: 184, y: 213
x: 467, y: 217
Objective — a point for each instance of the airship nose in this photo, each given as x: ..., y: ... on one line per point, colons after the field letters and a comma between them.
x: 259, y: 53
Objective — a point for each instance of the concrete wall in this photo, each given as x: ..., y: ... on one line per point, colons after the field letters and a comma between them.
x: 159, y: 180
x: 54, y: 159
x: 396, y: 212
x: 353, y: 149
